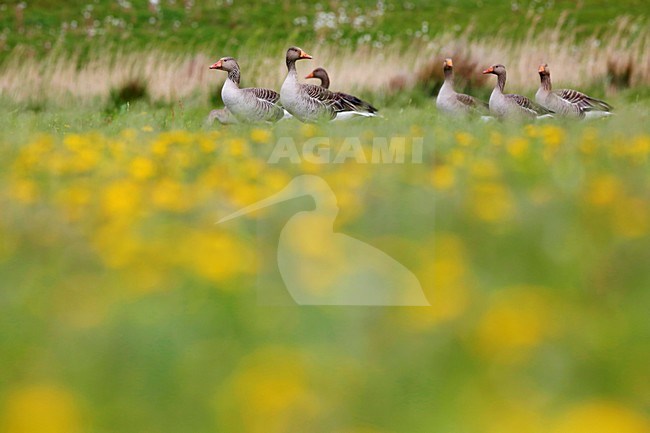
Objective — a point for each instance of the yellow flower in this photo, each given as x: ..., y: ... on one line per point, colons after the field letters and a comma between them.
x: 531, y: 130
x: 215, y: 255
x: 268, y: 393
x: 603, y: 190
x: 483, y: 169
x: 121, y: 198
x: 167, y: 194
x: 640, y: 149
x: 552, y: 135
x: 515, y: 322
x: 492, y: 201
x: 444, y: 280
x: 443, y: 177
x: 517, y: 147
x: 308, y: 130
x: 602, y: 417
x: 142, y: 168
x: 260, y: 135
x: 73, y: 199
x: 147, y: 128
x: 42, y: 409
x: 237, y: 147
x: 464, y: 138
x: 24, y: 190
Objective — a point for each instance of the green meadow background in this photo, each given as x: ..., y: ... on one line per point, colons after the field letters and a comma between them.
x: 124, y: 307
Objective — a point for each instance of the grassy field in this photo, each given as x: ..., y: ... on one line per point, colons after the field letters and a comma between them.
x: 179, y: 25
x: 125, y: 307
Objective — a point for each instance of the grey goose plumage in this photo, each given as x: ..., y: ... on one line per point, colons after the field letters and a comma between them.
x: 310, y: 103
x: 568, y: 102
x: 451, y: 102
x: 248, y: 104
x: 511, y: 105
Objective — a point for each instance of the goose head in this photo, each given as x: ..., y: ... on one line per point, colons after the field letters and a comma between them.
x: 321, y: 74
x: 496, y: 70
x: 294, y: 54
x: 544, y: 71
x: 447, y: 65
x: 227, y: 64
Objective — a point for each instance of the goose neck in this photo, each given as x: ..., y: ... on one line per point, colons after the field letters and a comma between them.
x: 234, y: 76
x: 501, y: 81
x: 325, y: 81
x: 546, y: 82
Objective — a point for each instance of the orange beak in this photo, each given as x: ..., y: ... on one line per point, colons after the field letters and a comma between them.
x: 489, y: 70
x: 311, y: 75
x: 542, y: 68
x: 449, y: 63
x: 304, y: 55
x: 216, y: 65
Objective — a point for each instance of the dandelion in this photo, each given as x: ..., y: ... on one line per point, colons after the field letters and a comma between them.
x: 142, y: 168
x: 147, y: 128
x: 491, y: 201
x: 517, y: 147
x: 602, y: 417
x: 603, y: 190
x: 121, y: 198
x: 552, y: 135
x: 41, y: 408
x: 237, y: 147
x: 444, y: 278
x: 260, y: 135
x: 443, y: 177
x: 464, y: 139
x: 516, y: 321
x: 24, y: 190
x: 170, y: 195
x: 268, y: 392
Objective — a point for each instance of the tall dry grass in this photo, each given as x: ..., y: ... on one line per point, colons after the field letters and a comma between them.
x: 619, y: 55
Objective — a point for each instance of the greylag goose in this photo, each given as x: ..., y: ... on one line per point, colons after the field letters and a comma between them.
x: 250, y: 104
x: 223, y: 115
x: 510, y: 105
x: 568, y: 102
x: 321, y: 74
x: 310, y: 103
x: 451, y: 102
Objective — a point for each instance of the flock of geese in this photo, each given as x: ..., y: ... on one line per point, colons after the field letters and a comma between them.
x: 311, y: 103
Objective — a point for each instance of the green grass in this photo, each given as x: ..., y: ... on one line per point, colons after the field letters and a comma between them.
x: 115, y: 314
x: 47, y: 25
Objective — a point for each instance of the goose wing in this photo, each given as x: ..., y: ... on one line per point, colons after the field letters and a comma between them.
x: 528, y: 105
x: 267, y: 95
x: 584, y: 102
x: 471, y: 101
x: 351, y: 103
x: 337, y: 101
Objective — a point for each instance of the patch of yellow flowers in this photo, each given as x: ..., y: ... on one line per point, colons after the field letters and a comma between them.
x: 144, y: 205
